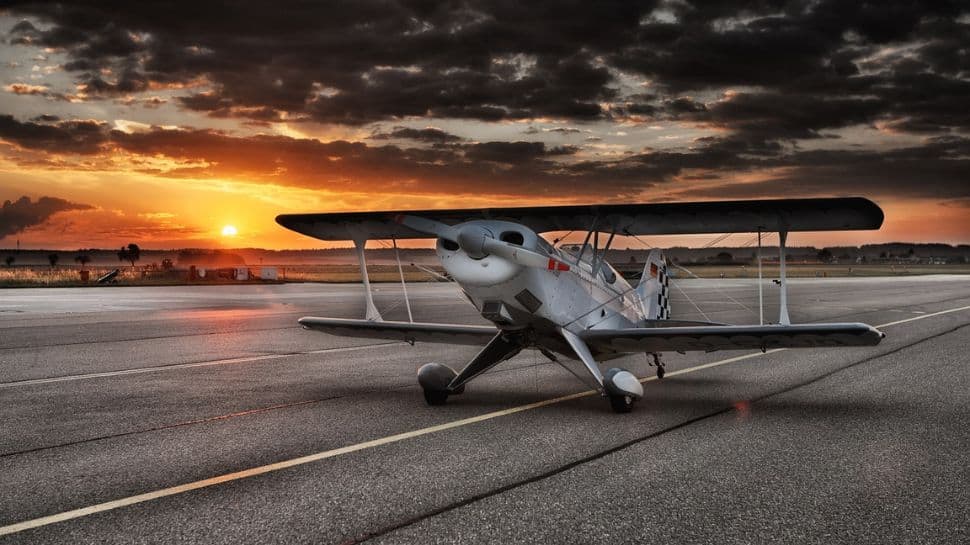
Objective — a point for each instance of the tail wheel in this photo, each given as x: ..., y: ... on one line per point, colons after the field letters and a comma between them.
x: 621, y: 403
x: 435, y: 397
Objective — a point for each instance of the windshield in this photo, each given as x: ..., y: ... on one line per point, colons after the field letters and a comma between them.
x: 573, y: 251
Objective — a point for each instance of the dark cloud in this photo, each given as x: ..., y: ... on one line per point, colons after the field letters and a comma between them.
x: 357, y: 62
x: 130, y: 81
x: 81, y: 137
x: 350, y: 62
x: 773, y: 116
x: 15, y: 216
x: 513, y: 152
x: 427, y: 134
x: 935, y: 169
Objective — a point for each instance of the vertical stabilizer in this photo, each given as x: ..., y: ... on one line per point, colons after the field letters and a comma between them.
x: 654, y: 287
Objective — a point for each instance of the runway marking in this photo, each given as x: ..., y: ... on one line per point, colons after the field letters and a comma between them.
x: 243, y: 359
x: 920, y: 317
x: 302, y: 460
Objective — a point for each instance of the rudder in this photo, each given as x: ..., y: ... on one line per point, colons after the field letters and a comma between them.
x: 654, y: 287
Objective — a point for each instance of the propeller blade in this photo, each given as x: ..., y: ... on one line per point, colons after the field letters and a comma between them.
x: 431, y: 227
x: 477, y: 242
x: 522, y: 256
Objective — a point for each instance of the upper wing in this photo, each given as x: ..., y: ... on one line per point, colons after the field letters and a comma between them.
x: 731, y: 337
x: 825, y: 214
x: 402, y: 331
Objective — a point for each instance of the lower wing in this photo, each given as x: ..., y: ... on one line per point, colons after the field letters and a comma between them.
x: 731, y: 337
x: 402, y: 331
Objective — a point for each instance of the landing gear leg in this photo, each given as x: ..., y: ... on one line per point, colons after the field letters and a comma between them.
x: 661, y: 369
x: 440, y: 381
x: 619, y: 386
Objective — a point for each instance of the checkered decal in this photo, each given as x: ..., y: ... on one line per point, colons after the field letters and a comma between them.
x: 663, y: 295
x: 654, y: 288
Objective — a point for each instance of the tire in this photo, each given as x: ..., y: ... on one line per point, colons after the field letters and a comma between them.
x: 621, y: 404
x: 435, y: 397
x: 660, y: 372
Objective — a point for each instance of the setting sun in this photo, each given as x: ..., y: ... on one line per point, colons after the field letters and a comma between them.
x: 229, y: 231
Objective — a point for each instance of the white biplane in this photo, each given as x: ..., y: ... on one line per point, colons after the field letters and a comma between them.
x: 573, y: 306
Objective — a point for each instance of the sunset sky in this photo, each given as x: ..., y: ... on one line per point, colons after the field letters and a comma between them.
x: 144, y: 122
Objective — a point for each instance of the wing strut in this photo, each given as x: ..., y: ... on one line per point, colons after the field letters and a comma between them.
x: 404, y: 285
x: 499, y: 349
x: 761, y: 287
x: 584, y: 355
x: 783, y: 318
x: 371, y: 313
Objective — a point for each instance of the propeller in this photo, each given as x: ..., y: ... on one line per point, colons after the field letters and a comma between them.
x: 523, y: 256
x: 424, y: 225
x: 478, y: 242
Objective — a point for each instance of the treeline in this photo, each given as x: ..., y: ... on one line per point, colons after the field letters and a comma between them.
x: 895, y: 251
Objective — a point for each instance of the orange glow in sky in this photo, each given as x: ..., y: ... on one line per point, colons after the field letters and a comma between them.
x: 130, y: 145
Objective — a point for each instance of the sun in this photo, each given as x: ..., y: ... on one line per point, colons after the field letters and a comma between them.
x: 229, y: 231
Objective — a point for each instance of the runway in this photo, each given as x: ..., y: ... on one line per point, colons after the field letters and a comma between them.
x: 205, y: 414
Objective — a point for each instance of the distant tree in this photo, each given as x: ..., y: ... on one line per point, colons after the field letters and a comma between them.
x: 83, y: 258
x: 130, y: 253
x: 724, y: 257
x: 167, y: 264
x: 824, y: 255
x: 9, y: 260
x: 882, y: 255
x: 53, y: 259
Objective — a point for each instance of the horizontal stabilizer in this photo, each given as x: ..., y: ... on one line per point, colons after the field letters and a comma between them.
x: 821, y: 214
x: 402, y: 331
x: 731, y: 337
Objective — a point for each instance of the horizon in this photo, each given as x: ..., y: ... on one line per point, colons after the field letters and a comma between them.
x: 371, y: 247
x: 121, y: 126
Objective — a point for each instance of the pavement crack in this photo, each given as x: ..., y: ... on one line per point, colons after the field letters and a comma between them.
x: 604, y: 453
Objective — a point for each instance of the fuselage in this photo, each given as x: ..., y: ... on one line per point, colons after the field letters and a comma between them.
x: 590, y: 295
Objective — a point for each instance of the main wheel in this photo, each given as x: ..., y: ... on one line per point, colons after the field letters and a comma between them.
x: 621, y: 403
x: 660, y: 371
x: 435, y: 397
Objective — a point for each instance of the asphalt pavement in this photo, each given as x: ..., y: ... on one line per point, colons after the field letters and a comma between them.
x: 205, y: 414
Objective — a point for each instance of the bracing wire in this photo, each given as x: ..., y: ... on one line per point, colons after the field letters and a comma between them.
x: 733, y: 300
x: 691, y: 301
x: 556, y: 242
x: 717, y: 240
x: 721, y: 292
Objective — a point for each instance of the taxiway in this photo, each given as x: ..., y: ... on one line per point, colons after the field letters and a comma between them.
x: 205, y: 414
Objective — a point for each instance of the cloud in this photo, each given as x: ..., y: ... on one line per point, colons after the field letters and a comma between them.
x: 34, y: 90
x: 513, y: 152
x: 77, y: 136
x: 16, y: 216
x: 789, y: 69
x: 428, y: 134
x: 935, y: 168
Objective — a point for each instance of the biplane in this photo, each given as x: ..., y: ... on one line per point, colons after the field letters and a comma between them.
x: 571, y: 304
